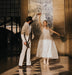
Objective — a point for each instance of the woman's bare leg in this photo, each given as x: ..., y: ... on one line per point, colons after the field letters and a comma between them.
x: 44, y: 60
x: 48, y: 61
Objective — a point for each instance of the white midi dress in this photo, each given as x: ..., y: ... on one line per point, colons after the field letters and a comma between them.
x: 46, y: 46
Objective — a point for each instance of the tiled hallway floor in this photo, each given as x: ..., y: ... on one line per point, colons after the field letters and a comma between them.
x: 63, y: 66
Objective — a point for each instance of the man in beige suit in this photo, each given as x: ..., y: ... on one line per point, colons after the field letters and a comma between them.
x: 26, y: 29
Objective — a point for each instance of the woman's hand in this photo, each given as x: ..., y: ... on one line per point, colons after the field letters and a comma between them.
x: 58, y: 34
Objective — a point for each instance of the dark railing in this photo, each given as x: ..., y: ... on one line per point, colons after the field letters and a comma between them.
x: 11, y: 19
x: 9, y: 41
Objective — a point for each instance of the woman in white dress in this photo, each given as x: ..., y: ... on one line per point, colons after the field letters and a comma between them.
x: 46, y: 46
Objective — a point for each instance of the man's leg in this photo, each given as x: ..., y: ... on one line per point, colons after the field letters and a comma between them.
x: 28, y: 60
x: 22, y: 55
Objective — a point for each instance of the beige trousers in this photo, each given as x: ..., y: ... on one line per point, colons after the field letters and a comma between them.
x: 23, y: 52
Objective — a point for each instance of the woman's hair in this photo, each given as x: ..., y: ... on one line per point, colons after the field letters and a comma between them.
x: 45, y: 21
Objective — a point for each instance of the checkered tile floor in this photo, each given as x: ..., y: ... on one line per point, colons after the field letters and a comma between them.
x: 56, y: 67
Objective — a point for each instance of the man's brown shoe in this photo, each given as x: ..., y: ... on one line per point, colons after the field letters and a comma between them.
x: 20, y: 67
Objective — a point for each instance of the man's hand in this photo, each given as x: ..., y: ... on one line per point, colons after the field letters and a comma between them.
x: 24, y: 43
x: 38, y: 13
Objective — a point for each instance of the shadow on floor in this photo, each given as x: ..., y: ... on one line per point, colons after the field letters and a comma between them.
x: 8, y: 63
